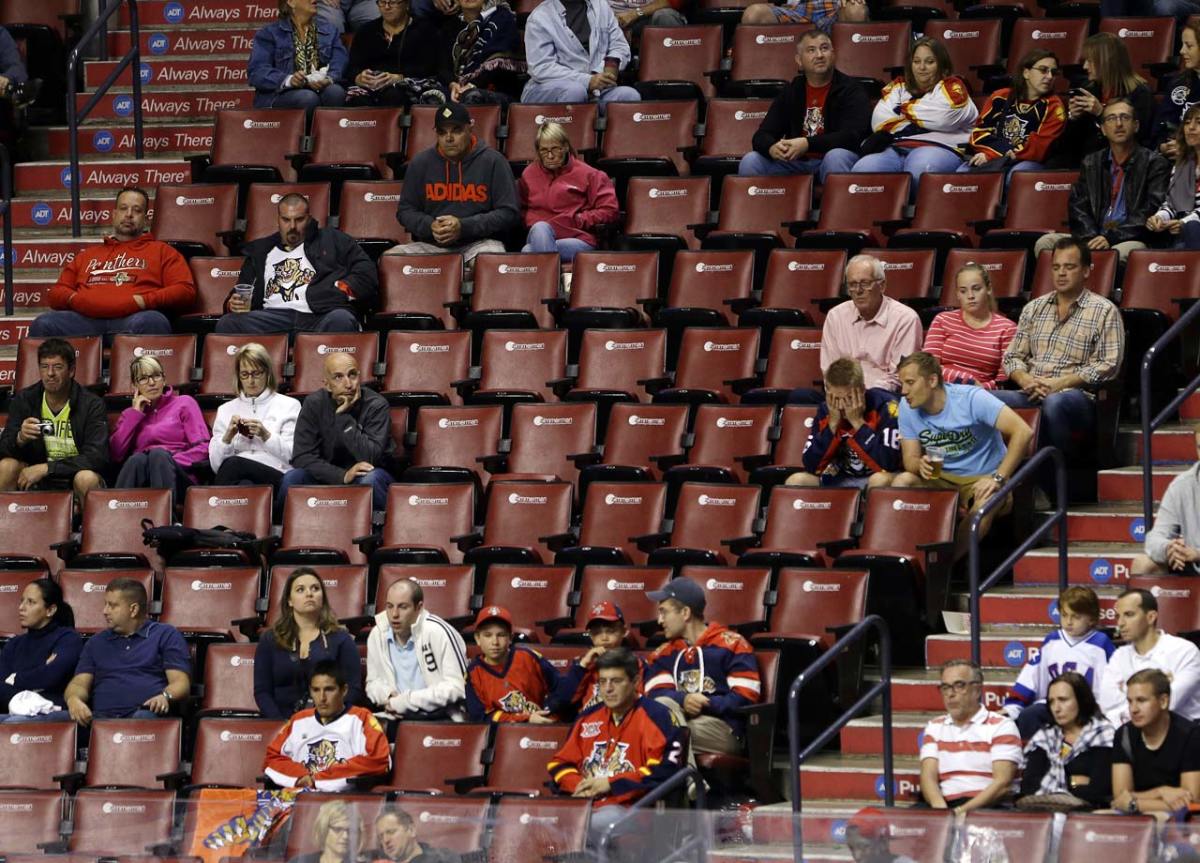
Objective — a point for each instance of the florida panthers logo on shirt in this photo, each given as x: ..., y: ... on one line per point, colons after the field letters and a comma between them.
x: 814, y: 121
x: 603, y: 763
x: 289, y: 278
x: 689, y: 681
x: 516, y: 702
x: 321, y: 756
x: 1015, y: 131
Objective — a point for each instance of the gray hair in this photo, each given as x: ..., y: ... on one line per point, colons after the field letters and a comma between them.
x: 976, y: 671
x: 142, y: 366
x: 877, y: 271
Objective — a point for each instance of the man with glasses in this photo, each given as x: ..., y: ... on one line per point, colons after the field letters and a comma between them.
x: 1118, y: 190
x: 970, y: 756
x: 1019, y: 124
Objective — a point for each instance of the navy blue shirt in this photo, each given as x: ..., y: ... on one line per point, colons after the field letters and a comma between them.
x: 42, y: 660
x: 281, y: 676
x: 129, y: 669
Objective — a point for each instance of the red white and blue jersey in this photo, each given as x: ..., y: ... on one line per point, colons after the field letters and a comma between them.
x: 721, y: 666
x: 509, y: 693
x: 1059, y: 653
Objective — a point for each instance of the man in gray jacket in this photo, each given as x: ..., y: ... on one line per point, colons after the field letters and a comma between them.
x: 1173, y: 544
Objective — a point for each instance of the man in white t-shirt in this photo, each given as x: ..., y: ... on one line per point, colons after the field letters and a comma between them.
x: 1147, y: 646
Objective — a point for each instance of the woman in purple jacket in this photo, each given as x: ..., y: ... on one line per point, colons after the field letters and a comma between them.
x: 162, y: 437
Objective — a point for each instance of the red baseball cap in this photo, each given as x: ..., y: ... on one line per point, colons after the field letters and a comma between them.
x: 605, y: 611
x: 493, y: 612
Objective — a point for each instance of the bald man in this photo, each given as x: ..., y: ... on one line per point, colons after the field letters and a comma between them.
x: 343, y: 435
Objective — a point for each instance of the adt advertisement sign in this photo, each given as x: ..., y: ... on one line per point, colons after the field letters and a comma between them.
x: 174, y: 13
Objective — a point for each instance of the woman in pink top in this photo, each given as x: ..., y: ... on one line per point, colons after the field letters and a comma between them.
x: 564, y: 199
x: 970, y: 341
x: 161, y: 437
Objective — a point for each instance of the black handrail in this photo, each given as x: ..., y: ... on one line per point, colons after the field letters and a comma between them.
x: 1148, y: 424
x: 881, y: 689
x: 1059, y: 519
x: 74, y: 117
x: 677, y: 781
x: 6, y: 212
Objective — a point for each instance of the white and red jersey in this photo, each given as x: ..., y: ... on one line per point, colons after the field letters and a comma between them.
x: 965, y: 753
x: 333, y: 752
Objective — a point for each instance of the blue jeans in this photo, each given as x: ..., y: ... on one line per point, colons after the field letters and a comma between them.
x: 1068, y: 417
x: 755, y: 164
x: 379, y: 480
x: 1032, y: 718
x: 333, y: 96
x: 917, y: 161
x: 352, y: 14
x: 67, y: 324
x: 573, y: 92
x: 1012, y: 169
x: 154, y: 468
x: 1189, y: 236
x: 65, y: 716
x: 286, y: 320
x: 541, y: 239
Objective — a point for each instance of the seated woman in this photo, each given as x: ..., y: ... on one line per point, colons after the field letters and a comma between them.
x: 970, y: 341
x: 305, y: 632
x: 487, y: 54
x: 1183, y: 91
x: 1074, y: 754
x: 297, y: 62
x: 162, y: 437
x: 337, y: 832
x: 564, y: 199
x: 394, y: 60
x: 37, y: 665
x: 1179, y: 214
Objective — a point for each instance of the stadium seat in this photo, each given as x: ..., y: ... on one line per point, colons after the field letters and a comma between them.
x: 647, y: 139
x: 176, y: 355
x: 1178, y: 610
x: 948, y: 206
x: 246, y: 508
x: 1036, y: 204
x: 814, y: 605
x: 735, y: 596
x: 214, y: 278
x: 1063, y: 36
x: 1150, y: 42
x: 112, y: 529
x: 855, y: 209
x: 367, y: 212
x: 351, y: 144
x: 794, y: 361
x: 229, y: 680
x: 536, y: 596
x: 761, y: 213
x: 251, y: 147
x: 615, y: 366
x: 708, y: 289
x: 262, y: 205
x: 1102, y: 280
x: 345, y: 589
x: 448, y: 588
x: 133, y: 753
x: 1160, y: 283
x: 511, y: 292
x: 196, y: 219
x: 764, y: 61
x: 517, y: 366
x: 1026, y: 835
x: 663, y: 214
x: 729, y: 127
x: 449, y: 441
x: 301, y: 839
x: 524, y: 120
x: 434, y: 757
x: 219, y: 370
x: 909, y: 274
x: 1083, y: 835
x: 88, y: 356
x: 540, y: 829
x: 229, y: 751
x: 457, y: 824
x: 320, y: 523
x: 640, y: 442
x: 517, y: 759
x: 521, y: 518
x: 545, y: 439
x: 421, y: 522
x: 678, y: 62
x: 974, y: 48
x: 485, y: 124
x: 624, y: 586
x: 422, y: 366
x: 208, y: 601
x: 32, y: 755
x: 795, y: 428
x: 34, y: 522
x: 31, y: 819
x: 875, y: 53
x: 414, y: 291
x: 728, y: 442
x: 607, y: 292
x: 798, y: 521
x: 791, y: 300
x: 83, y: 590
x: 706, y: 519
x: 310, y: 349
x: 712, y: 363
x: 613, y: 514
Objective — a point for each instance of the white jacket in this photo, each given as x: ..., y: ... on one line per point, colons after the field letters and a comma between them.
x: 1178, y: 657
x: 275, y: 411
x: 443, y: 663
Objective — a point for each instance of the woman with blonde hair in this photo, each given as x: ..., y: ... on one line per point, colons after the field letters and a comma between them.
x: 161, y: 437
x: 337, y: 834
x: 1111, y: 75
x: 297, y: 61
x: 970, y: 341
x: 1179, y: 214
x: 252, y: 434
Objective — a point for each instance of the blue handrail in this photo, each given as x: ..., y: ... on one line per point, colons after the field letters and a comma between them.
x: 6, y: 212
x: 676, y: 782
x: 75, y: 117
x: 1059, y: 520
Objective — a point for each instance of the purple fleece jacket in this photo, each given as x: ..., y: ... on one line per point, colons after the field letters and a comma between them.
x: 173, y: 423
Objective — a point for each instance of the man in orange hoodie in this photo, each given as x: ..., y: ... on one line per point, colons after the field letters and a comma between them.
x: 122, y: 286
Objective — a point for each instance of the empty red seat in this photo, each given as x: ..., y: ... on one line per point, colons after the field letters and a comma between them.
x: 34, y: 522
x: 229, y: 680
x: 367, y: 212
x: 1083, y: 836
x: 414, y: 291
x: 615, y: 365
x: 134, y: 753
x: 614, y: 515
x: 537, y: 829
x: 195, y: 219
x: 728, y: 443
x: 707, y: 518
x: 853, y: 208
x: 521, y: 517
x: 647, y: 138
x: 799, y: 520
x: 795, y: 282
x: 1036, y: 204
x: 712, y: 361
x: 815, y: 605
x: 662, y: 213
x: 608, y: 290
x: 432, y: 757
x: 422, y: 520
x: 518, y: 756
x: 424, y: 365
x: 947, y: 206
x: 449, y: 444
x: 30, y: 819
x: 208, y: 600
x: 32, y: 754
x: 544, y: 440
x: 513, y: 291
x: 320, y: 523
x: 707, y: 289
x: 352, y: 144
x: 519, y: 365
x: 229, y: 751
x: 641, y: 441
x: 877, y: 51
x: 251, y: 146
x: 794, y: 361
x: 676, y: 62
x: 764, y: 60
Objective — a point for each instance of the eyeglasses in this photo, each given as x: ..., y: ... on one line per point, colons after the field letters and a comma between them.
x: 254, y: 375
x: 341, y: 831
x: 1118, y: 118
x: 861, y: 287
x: 1046, y: 70
x: 551, y: 151
x: 383, y: 4
x: 151, y: 378
x: 957, y: 686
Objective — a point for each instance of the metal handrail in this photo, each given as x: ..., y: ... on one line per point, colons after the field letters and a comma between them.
x: 881, y: 689
x: 1059, y: 519
x: 6, y: 212
x: 1150, y: 424
x: 75, y: 117
x: 676, y: 782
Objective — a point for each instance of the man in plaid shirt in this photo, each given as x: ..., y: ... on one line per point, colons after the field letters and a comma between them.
x: 822, y: 14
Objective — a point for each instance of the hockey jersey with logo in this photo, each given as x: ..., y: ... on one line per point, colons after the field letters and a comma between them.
x: 844, y: 452
x: 524, y: 684
x: 1059, y: 653
x: 720, y: 666
x: 333, y: 752
x: 1027, y: 127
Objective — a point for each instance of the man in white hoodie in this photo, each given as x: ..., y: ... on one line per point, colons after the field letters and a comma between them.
x: 416, y: 662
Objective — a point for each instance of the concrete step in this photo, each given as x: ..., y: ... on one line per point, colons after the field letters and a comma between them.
x: 173, y: 71
x: 44, y: 256
x: 864, y: 736
x: 859, y: 777
x: 1090, y: 563
x: 52, y: 213
x: 1026, y: 605
x: 160, y: 139
x: 916, y: 690
x: 1125, y: 483
x: 100, y: 174
x: 184, y: 42
x: 161, y: 103
x: 1007, y: 648
x: 157, y: 13
x: 1106, y: 522
x: 1174, y: 442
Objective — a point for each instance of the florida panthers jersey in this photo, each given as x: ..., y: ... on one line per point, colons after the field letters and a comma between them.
x: 349, y: 745
x: 720, y: 666
x: 580, y: 687
x: 509, y: 693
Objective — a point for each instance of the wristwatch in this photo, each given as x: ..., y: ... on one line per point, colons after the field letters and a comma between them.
x: 998, y: 478
x: 1132, y: 808
x: 166, y: 693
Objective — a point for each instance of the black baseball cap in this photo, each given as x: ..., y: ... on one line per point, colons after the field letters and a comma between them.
x: 682, y: 590
x: 451, y: 114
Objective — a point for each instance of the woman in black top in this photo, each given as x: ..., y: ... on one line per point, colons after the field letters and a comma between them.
x: 43, y: 658
x: 1073, y: 755
x: 394, y: 60
x: 1182, y: 92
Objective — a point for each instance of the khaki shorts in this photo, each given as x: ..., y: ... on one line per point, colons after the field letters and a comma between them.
x: 965, y: 486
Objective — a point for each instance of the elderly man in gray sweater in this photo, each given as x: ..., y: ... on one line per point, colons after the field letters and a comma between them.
x: 1173, y: 545
x: 575, y: 50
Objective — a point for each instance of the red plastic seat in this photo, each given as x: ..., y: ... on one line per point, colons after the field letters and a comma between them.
x: 252, y: 146
x: 1063, y: 36
x: 485, y: 120
x: 794, y: 361
x: 711, y: 361
x: 449, y: 441
x: 33, y: 522
x: 614, y: 515
x: 195, y: 219
x: 214, y: 279
x: 947, y: 206
x: 448, y: 588
x: 537, y: 829
x: 320, y: 523
x: 1102, y: 280
x: 1159, y: 280
x: 518, y: 365
x: 795, y: 282
x: 909, y: 274
x: 544, y: 439
x: 414, y: 290
x: 229, y: 680
x: 706, y: 518
x: 812, y: 604
x: 767, y: 206
x: 648, y: 137
x: 229, y: 750
x: 536, y: 596
x: 1026, y: 835
x: 310, y: 350
x: 524, y: 120
x: 352, y: 143
x: 798, y: 521
x: 239, y: 507
x: 422, y: 367
x: 205, y: 600
x: 345, y: 588
x: 872, y: 50
x: 735, y: 595
x: 730, y: 124
x: 1150, y: 42
x: 367, y: 212
x: 1178, y: 610
x: 517, y: 759
x: 430, y: 756
x: 615, y: 364
x: 88, y: 356
x: 973, y: 45
x: 217, y: 380
x: 674, y: 62
x: 852, y: 208
x: 112, y: 528
x: 133, y: 753
x: 728, y: 443
x: 29, y: 819
x: 640, y: 442
x: 512, y: 291
x: 262, y: 205
x: 83, y: 590
x: 32, y: 754
x: 764, y: 59
x: 521, y: 516
x: 176, y: 355
x: 422, y: 520
x: 707, y: 289
x: 660, y: 211
x: 609, y: 288
x: 1036, y: 204
x: 1084, y: 835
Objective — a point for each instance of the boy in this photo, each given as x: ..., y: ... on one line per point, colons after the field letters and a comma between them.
x: 579, y: 686
x: 506, y: 683
x: 1075, y: 646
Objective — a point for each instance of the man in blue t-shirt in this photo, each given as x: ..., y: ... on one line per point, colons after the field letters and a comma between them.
x: 979, y: 440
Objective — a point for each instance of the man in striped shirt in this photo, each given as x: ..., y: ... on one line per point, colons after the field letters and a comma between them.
x: 970, y: 756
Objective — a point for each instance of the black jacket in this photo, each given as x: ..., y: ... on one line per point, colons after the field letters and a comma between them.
x: 89, y: 427
x: 333, y: 254
x: 1146, y: 177
x: 1083, y: 136
x: 1095, y: 764
x: 847, y: 116
x: 327, y: 444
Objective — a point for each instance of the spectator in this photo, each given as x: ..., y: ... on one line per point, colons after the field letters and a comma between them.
x: 959, y: 437
x: 343, y: 435
x: 1076, y: 645
x: 336, y: 832
x: 161, y: 439
x: 1117, y: 191
x: 921, y: 123
x: 855, y: 438
x: 122, y: 286
x: 488, y: 57
x: 870, y: 327
x: 970, y: 756
x: 395, y: 60
x: 607, y: 630
x: 635, y: 15
x: 252, y: 435
x: 1019, y: 124
x: 1182, y: 93
x: 1173, y: 544
x: 821, y: 110
x: 640, y: 745
x: 970, y: 342
x: 396, y: 835
x: 16, y: 89
x: 1148, y: 647
x: 508, y: 683
x: 1067, y: 343
x: 135, y: 669
x: 469, y: 215
x: 326, y: 746
x: 298, y: 61
x: 416, y: 661
x: 1072, y: 752
x: 1156, y: 755
x: 305, y: 278
x: 37, y: 665
x: 1179, y: 213
x: 305, y: 634
x: 822, y: 14
x: 564, y: 199
x: 703, y: 672
x: 575, y: 50
x: 343, y: 15
x: 73, y: 454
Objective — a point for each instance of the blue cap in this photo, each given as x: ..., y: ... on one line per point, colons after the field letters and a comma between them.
x: 682, y: 590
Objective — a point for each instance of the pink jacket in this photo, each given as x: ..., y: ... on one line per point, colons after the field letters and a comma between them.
x: 574, y: 201
x: 173, y: 423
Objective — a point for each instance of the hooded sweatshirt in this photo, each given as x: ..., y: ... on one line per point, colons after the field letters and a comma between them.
x: 173, y: 423
x: 574, y: 201
x: 102, y: 281
x: 478, y: 190
x: 275, y: 411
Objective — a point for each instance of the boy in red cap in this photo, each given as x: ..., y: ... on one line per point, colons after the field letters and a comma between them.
x: 508, y: 683
x: 579, y: 686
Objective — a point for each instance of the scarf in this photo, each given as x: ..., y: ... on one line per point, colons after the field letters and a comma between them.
x: 1096, y: 734
x: 307, y: 50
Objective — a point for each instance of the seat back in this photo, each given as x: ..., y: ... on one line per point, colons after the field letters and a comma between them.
x: 241, y: 507
x: 345, y: 588
x: 229, y: 751
x: 40, y: 12
x: 519, y: 281
x: 310, y: 350
x: 710, y: 357
x: 531, y: 594
x: 429, y: 515
x: 33, y: 521
x: 1026, y: 835
x: 544, y: 437
x: 681, y: 54
x: 802, y: 517
x: 734, y: 595
x: 420, y: 284
x: 795, y: 428
x: 795, y: 358
x: 325, y: 516
x: 454, y: 437
x: 636, y: 433
x: 485, y: 125
x: 367, y: 211
x: 666, y: 206
x: 1063, y: 36
x: 903, y: 519
x: 132, y: 752
x: 520, y: 753
x: 29, y: 819
x: 909, y: 271
x: 811, y: 601
x: 708, y: 513
x: 429, y: 755
x: 31, y: 755
x: 795, y: 278
x: 616, y: 512
x: 951, y: 202
x: 447, y: 587
x: 176, y: 355
x: 625, y: 586
x: 195, y: 213
x: 970, y: 43
x: 617, y: 360
x: 112, y: 520
x: 765, y: 205
x: 708, y: 279
x: 537, y: 829
x: 229, y: 679
x: 220, y: 367
x: 1102, y: 280
x: 764, y: 52
x: 1083, y: 835
x: 356, y: 136
x: 1148, y: 40
x: 519, y: 513
x: 1178, y: 609
x: 89, y: 354
x: 650, y: 130
x: 578, y: 121
x: 725, y: 434
x: 730, y: 124
x: 454, y: 823
x: 427, y: 361
x: 1037, y: 200
x: 204, y: 600
x: 523, y: 360
x: 214, y: 278
x: 613, y: 280
x: 854, y: 202
x: 1157, y: 280
x: 301, y: 839
x: 262, y: 205
x: 872, y: 50
x: 258, y: 137
x: 919, y: 834
x: 1005, y: 269
x: 83, y: 590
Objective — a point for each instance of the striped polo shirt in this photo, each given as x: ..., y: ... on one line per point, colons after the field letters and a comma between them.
x: 965, y: 753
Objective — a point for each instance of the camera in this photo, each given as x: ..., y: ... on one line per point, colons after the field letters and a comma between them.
x: 47, y: 427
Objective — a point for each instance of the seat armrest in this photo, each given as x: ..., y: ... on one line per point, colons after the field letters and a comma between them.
x: 69, y: 782
x: 583, y: 459
x: 463, y: 784
x: 668, y: 461
x: 494, y: 463
x: 561, y: 386
x: 66, y: 549
x: 649, y: 541
x: 467, y: 540
x: 200, y: 163
x: 837, y: 546
x: 654, y: 385
x: 174, y: 780
x: 702, y: 229
x: 558, y: 541
x: 798, y: 226
x: 753, y: 462
x: 739, y: 545
x: 247, y: 626
x: 369, y: 543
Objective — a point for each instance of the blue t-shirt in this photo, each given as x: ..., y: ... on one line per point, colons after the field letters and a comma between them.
x: 128, y: 669
x: 965, y: 429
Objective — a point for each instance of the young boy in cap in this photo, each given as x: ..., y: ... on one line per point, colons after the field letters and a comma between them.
x: 579, y: 686
x: 508, y: 683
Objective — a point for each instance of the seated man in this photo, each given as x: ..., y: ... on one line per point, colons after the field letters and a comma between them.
x: 970, y: 756
x: 416, y: 662
x: 305, y: 278
x: 704, y: 672
x: 16, y: 90
x: 122, y: 286
x: 325, y: 746
x: 1156, y: 755
x: 855, y: 438
x: 396, y: 836
x: 575, y: 50
x: 579, y: 684
x: 821, y: 110
x: 343, y: 435
x: 508, y: 683
x: 1173, y: 544
x: 822, y: 14
x: 347, y: 15
x: 459, y: 196
x: 135, y: 669
x: 1109, y: 210
x: 57, y: 432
